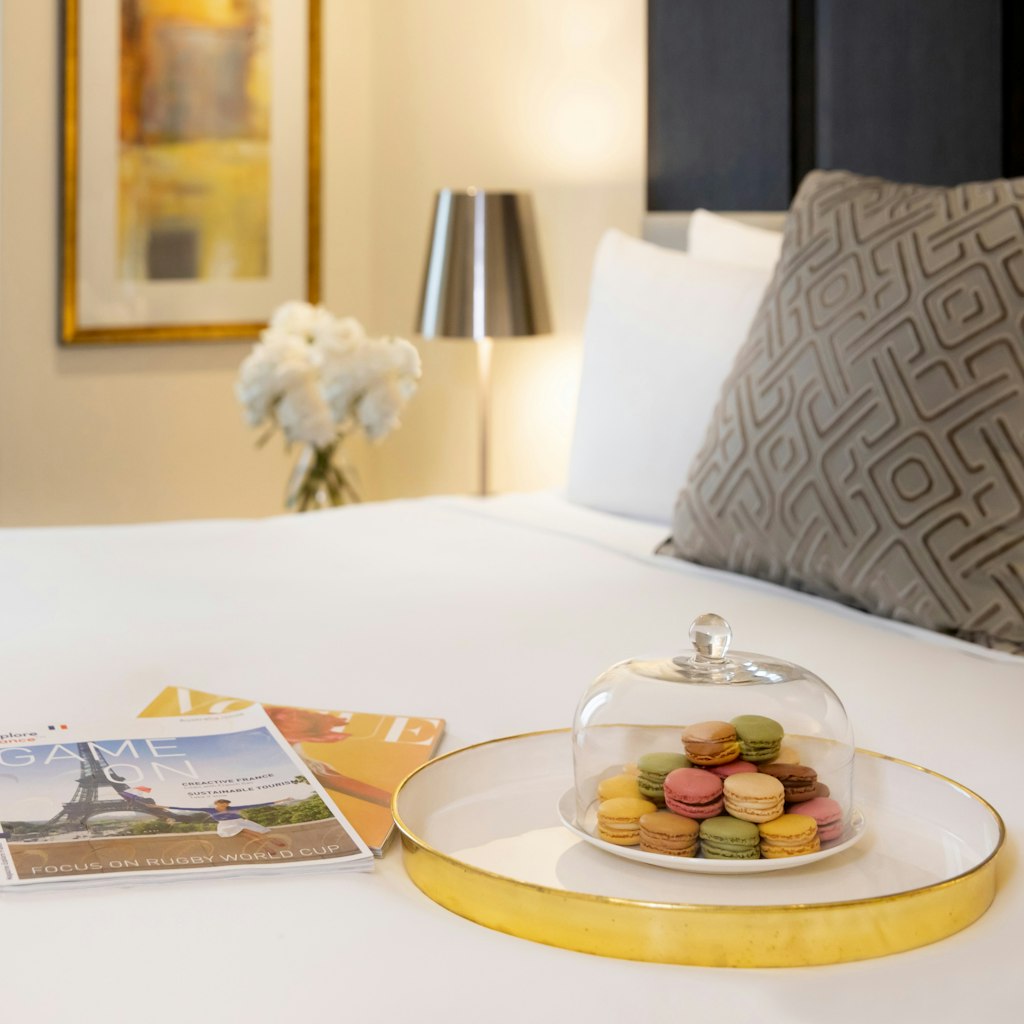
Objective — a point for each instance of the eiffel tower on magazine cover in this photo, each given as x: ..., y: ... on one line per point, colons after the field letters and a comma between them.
x: 97, y: 777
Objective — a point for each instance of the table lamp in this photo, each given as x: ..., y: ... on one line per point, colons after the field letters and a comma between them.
x: 483, y: 281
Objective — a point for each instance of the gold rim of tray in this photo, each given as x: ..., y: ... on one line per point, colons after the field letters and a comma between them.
x: 707, y: 935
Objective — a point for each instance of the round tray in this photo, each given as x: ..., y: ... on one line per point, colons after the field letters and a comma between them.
x: 702, y: 865
x: 481, y: 837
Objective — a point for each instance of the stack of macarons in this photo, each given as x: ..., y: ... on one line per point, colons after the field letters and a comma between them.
x: 729, y: 796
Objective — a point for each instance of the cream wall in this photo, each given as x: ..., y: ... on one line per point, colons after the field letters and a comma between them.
x: 544, y: 94
x: 547, y: 95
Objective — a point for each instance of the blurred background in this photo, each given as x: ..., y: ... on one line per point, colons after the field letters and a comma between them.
x: 539, y: 96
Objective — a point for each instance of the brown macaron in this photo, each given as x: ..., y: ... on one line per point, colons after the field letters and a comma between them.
x: 708, y: 743
x: 799, y: 781
x: 668, y: 833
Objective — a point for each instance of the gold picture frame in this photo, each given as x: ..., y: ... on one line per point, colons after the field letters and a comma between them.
x: 126, y: 277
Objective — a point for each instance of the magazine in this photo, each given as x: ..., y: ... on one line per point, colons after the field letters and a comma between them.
x: 165, y: 797
x: 358, y: 758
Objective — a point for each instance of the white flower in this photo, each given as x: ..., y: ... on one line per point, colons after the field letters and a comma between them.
x: 341, y: 367
x: 406, y: 360
x: 279, y: 378
x: 343, y: 329
x: 264, y: 374
x: 378, y: 409
x: 303, y: 414
x: 301, y: 318
x: 391, y: 367
x: 318, y: 376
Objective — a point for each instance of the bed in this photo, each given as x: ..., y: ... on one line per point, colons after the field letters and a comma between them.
x: 494, y: 614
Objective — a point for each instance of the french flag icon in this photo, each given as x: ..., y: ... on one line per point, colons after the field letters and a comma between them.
x: 56, y: 728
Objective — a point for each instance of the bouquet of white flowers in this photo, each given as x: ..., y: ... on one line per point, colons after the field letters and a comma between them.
x: 320, y: 378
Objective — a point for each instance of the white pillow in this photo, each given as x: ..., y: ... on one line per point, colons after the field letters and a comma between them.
x: 661, y: 334
x: 724, y: 240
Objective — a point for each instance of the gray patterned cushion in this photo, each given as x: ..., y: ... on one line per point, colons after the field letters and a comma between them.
x: 868, y: 445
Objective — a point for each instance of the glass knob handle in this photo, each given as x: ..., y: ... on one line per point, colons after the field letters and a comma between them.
x: 711, y: 635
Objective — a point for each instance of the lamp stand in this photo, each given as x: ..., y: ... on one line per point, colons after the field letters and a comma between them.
x: 484, y: 350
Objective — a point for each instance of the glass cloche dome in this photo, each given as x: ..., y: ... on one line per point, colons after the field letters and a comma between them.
x: 711, y: 708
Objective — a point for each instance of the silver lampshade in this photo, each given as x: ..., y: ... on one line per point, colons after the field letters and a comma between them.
x: 483, y: 276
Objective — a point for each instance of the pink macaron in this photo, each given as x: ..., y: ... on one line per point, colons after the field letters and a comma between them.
x: 694, y: 793
x: 827, y: 813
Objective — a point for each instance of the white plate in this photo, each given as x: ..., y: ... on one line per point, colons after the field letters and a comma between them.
x: 567, y: 812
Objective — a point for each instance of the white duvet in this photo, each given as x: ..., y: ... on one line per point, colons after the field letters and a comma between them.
x: 494, y: 615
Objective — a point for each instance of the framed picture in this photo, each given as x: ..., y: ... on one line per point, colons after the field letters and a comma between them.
x: 191, y: 177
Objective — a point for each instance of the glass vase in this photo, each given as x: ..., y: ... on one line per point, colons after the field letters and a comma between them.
x: 321, y: 478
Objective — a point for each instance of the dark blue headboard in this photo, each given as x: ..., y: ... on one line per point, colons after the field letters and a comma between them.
x: 746, y: 96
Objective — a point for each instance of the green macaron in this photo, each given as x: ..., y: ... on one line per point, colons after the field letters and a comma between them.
x: 725, y: 838
x: 653, y: 769
x: 760, y: 738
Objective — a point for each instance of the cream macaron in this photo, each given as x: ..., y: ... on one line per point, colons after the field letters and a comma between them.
x: 754, y: 797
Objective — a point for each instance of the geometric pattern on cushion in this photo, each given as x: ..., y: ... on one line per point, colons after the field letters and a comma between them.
x: 868, y: 445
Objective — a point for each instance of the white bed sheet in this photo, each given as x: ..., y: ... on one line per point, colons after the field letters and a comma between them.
x: 495, y: 615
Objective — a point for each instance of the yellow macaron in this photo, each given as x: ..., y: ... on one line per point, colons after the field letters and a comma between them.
x: 618, y: 819
x: 791, y: 835
x: 618, y: 785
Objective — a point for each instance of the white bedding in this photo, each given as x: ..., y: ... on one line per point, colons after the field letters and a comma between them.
x: 494, y: 615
